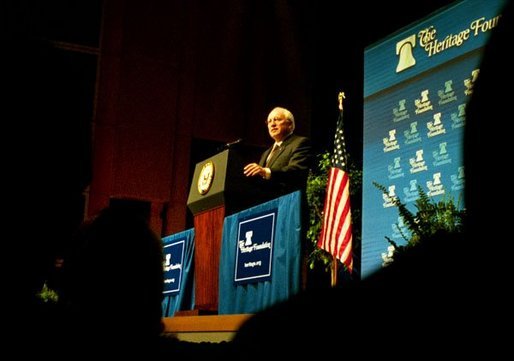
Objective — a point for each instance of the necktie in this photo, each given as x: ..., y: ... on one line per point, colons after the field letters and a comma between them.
x: 276, y: 147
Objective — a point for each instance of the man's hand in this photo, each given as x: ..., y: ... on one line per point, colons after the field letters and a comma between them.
x: 253, y: 169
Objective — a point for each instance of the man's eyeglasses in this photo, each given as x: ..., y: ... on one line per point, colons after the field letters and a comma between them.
x: 276, y: 120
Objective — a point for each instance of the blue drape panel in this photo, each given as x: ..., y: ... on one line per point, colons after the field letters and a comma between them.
x: 185, y: 299
x: 285, y: 278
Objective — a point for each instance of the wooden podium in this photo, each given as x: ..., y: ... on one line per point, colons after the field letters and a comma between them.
x: 219, y: 188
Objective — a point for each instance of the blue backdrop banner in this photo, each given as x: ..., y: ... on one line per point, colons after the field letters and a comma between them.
x: 417, y: 83
x: 285, y: 257
x: 178, y: 272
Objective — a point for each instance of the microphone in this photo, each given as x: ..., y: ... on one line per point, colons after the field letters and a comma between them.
x: 231, y: 144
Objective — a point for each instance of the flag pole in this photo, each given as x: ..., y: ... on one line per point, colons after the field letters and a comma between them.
x: 333, y: 272
x: 334, y: 267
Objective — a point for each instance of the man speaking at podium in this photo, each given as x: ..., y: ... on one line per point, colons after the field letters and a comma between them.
x: 284, y: 166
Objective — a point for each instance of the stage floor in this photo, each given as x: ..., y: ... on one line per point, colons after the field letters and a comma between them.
x: 209, y: 328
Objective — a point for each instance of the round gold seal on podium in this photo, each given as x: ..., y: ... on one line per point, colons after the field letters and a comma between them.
x: 206, y: 177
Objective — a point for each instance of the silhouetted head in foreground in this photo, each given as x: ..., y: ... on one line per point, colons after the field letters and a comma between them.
x: 113, y: 279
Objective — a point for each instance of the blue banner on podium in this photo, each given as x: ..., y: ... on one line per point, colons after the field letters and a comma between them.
x: 284, y: 251
x: 255, y: 248
x: 173, y: 262
x: 178, y: 264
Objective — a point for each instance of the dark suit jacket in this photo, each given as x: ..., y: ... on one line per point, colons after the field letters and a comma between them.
x: 290, y: 166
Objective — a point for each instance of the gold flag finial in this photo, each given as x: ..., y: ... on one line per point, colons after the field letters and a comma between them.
x: 340, y: 97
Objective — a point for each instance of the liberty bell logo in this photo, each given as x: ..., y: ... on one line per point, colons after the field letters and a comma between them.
x: 404, y: 52
x: 248, y: 236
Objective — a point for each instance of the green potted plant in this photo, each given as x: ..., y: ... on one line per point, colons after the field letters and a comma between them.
x: 430, y: 217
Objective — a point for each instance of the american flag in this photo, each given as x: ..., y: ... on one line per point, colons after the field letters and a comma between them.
x: 336, y: 232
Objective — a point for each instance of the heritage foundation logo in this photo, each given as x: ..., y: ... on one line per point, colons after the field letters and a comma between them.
x: 418, y: 164
x: 423, y: 104
x: 391, y: 143
x: 395, y: 169
x: 390, y: 197
x: 435, y: 187
x: 447, y: 94
x: 406, y: 58
x: 400, y: 112
x: 411, y: 192
x: 412, y: 135
x: 436, y: 127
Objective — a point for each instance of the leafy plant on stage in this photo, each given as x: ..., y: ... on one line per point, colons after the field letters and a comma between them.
x: 48, y: 295
x: 316, y: 192
x: 430, y: 217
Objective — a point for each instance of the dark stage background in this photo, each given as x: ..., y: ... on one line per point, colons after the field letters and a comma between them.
x: 116, y: 101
